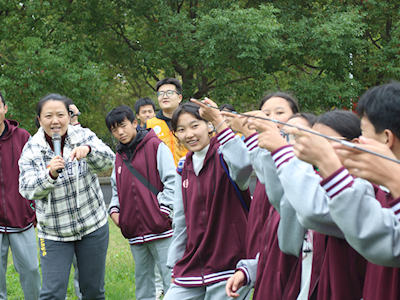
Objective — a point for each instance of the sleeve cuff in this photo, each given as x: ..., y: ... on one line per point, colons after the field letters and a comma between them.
x: 251, y: 141
x: 225, y: 135
x: 394, y: 205
x: 114, y: 210
x: 165, y: 210
x: 282, y: 155
x: 337, y: 182
x: 90, y: 149
x: 246, y: 274
x: 51, y: 176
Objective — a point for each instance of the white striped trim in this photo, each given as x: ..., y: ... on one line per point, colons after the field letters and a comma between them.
x: 7, y: 229
x: 283, y: 155
x: 252, y: 142
x: 336, y: 179
x: 283, y: 159
x: 225, y: 136
x: 165, y: 210
x: 151, y: 237
x: 340, y: 186
x: 207, y: 279
x: 114, y: 210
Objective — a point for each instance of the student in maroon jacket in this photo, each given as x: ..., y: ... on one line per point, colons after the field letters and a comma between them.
x: 367, y: 215
x: 17, y: 214
x: 143, y: 217
x: 210, y: 206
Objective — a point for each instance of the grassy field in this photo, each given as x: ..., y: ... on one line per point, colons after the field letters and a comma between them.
x: 120, y: 279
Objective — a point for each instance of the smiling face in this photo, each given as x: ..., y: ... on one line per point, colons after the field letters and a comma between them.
x: 125, y: 132
x: 192, y: 132
x: 277, y: 108
x: 54, y: 117
x: 169, y: 104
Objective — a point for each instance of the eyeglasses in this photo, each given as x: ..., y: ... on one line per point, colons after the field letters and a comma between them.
x: 169, y: 93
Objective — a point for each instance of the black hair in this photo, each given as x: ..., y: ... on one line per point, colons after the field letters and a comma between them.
x: 344, y: 122
x: 118, y: 114
x: 188, y: 107
x: 293, y: 103
x: 2, y: 99
x: 227, y: 106
x: 173, y: 81
x: 381, y: 105
x: 48, y: 97
x: 309, y: 117
x: 142, y: 102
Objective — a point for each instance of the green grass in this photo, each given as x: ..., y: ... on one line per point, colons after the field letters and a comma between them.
x: 120, y: 271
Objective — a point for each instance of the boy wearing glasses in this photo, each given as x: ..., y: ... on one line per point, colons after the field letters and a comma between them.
x: 169, y: 95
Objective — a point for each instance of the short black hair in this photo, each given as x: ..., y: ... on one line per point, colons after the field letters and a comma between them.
x: 173, y: 81
x: 227, y: 106
x: 293, y: 103
x: 188, y: 107
x: 381, y: 105
x: 142, y: 102
x: 309, y: 117
x: 118, y: 114
x: 344, y: 122
x: 2, y: 99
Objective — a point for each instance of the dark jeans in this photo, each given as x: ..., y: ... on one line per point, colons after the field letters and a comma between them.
x: 56, y: 260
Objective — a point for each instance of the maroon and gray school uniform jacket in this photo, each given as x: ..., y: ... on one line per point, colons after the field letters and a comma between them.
x: 258, y: 213
x: 16, y: 213
x: 274, y: 267
x: 210, y: 221
x: 142, y: 218
x: 338, y: 271
x: 369, y: 218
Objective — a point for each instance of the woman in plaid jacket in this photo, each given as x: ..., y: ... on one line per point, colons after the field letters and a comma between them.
x: 71, y: 212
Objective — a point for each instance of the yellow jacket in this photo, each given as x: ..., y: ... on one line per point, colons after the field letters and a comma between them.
x: 163, y: 132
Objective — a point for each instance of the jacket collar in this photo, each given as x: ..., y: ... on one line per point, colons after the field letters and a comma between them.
x: 214, y: 145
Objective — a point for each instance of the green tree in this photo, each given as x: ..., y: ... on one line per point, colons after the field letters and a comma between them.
x: 40, y: 53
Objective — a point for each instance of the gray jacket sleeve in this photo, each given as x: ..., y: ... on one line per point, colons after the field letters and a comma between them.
x: 179, y: 239
x: 167, y: 170
x: 266, y: 173
x: 308, y: 198
x: 114, y: 204
x: 290, y: 231
x: 371, y: 230
x: 249, y: 268
x: 235, y: 156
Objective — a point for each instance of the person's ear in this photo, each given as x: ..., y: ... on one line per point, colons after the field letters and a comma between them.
x: 5, y: 108
x: 390, y: 138
x: 355, y: 141
x: 134, y: 122
x: 180, y: 98
x: 210, y: 127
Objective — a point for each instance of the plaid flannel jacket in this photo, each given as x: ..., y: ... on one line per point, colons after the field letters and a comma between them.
x: 71, y: 206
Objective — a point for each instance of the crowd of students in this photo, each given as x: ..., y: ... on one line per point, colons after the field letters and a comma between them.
x: 323, y: 221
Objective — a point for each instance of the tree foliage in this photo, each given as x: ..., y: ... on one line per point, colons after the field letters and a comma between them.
x: 105, y: 53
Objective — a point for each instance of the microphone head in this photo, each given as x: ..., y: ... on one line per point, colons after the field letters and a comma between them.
x: 56, y: 137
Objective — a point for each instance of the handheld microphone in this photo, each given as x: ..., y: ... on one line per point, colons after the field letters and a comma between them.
x: 56, y: 139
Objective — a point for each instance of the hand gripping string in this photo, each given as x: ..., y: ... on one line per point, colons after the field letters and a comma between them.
x: 345, y: 143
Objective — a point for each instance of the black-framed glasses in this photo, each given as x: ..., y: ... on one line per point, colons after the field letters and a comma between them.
x: 169, y: 93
